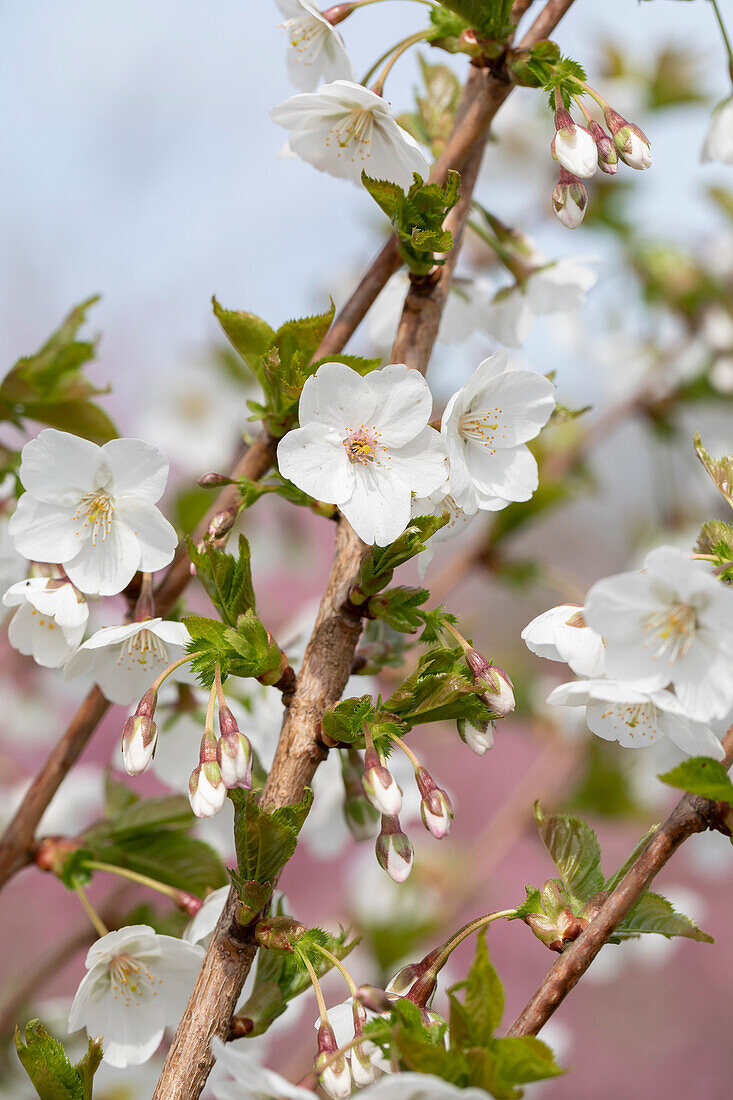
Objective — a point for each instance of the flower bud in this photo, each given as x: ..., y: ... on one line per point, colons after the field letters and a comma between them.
x: 335, y: 1077
x: 51, y: 852
x: 394, y: 850
x: 222, y: 523
x: 631, y: 142
x: 233, y: 753
x: 189, y: 903
x: 363, y: 1071
x: 569, y: 199
x: 607, y: 152
x: 373, y: 998
x: 436, y: 808
x: 337, y: 13
x: 573, y: 146
x: 479, y: 740
x: 206, y: 791
x: 495, y: 688
x: 279, y: 933
x: 380, y: 786
x: 214, y: 481
x: 417, y: 981
x: 140, y: 735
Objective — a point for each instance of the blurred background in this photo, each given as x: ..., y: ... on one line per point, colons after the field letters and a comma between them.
x: 139, y: 162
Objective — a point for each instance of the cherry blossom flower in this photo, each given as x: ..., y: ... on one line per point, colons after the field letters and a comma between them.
x: 125, y: 660
x: 718, y: 144
x: 137, y: 984
x: 344, y: 129
x: 671, y: 623
x: 315, y: 48
x: 92, y: 509
x: 561, y: 634
x: 558, y: 287
x: 465, y: 310
x: 49, y: 621
x: 618, y: 711
x: 365, y: 445
x: 485, y: 427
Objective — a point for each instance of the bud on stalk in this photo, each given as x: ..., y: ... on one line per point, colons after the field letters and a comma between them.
x: 214, y: 481
x: 140, y: 735
x: 573, y: 146
x: 496, y: 689
x: 362, y: 1070
x: 436, y: 808
x: 632, y: 143
x: 373, y: 998
x: 360, y: 815
x: 233, y: 752
x: 335, y: 1078
x: 338, y: 13
x: 206, y: 791
x: 569, y: 199
x: 279, y: 934
x: 394, y: 850
x: 607, y: 153
x: 417, y: 981
x: 478, y: 740
x: 222, y: 523
x: 380, y: 786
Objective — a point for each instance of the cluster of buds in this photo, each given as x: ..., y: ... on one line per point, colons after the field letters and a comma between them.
x: 579, y: 150
x: 555, y: 924
x: 223, y: 764
x: 140, y: 735
x: 206, y: 790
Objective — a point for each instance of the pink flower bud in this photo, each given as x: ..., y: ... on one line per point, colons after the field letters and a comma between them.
x: 478, y: 740
x: 233, y: 752
x: 140, y: 735
x: 607, y: 152
x: 493, y: 684
x: 569, y: 199
x: 222, y: 523
x: 214, y: 481
x: 279, y: 933
x: 394, y: 850
x: 206, y: 791
x: 436, y: 808
x: 632, y: 143
x: 573, y: 146
x: 334, y: 1077
x: 380, y: 786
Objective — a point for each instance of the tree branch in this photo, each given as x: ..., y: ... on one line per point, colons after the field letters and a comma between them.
x: 691, y: 815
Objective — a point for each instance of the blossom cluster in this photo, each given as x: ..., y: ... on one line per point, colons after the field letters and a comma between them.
x: 654, y: 648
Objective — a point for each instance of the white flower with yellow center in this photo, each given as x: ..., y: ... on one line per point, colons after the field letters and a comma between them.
x: 137, y: 984
x: 620, y: 712
x: 561, y: 634
x: 344, y: 129
x: 315, y: 48
x: 49, y: 621
x: 485, y: 428
x: 671, y: 623
x: 125, y: 660
x: 92, y: 509
x: 365, y: 445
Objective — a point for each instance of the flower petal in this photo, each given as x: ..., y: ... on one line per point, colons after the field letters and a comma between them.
x: 521, y: 401
x: 156, y: 537
x: 314, y: 459
x: 421, y: 463
x: 137, y: 468
x: 104, y: 568
x: 336, y: 397
x: 58, y: 468
x: 44, y: 532
x: 403, y: 403
x: 379, y: 507
x: 510, y: 474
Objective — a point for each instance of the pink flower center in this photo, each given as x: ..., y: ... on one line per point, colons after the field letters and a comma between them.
x: 362, y: 444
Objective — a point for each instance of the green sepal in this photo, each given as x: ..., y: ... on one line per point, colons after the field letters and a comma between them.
x: 253, y: 897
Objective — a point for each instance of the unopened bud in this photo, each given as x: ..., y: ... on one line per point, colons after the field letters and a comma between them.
x: 222, y: 523
x: 394, y: 850
x: 380, y: 786
x: 334, y: 1074
x: 607, y: 152
x: 479, y: 739
x: 373, y: 998
x: 140, y: 735
x: 495, y: 688
x: 337, y: 13
x: 279, y: 934
x: 361, y: 817
x: 436, y: 808
x: 632, y: 143
x: 569, y: 199
x: 417, y: 981
x: 189, y: 903
x: 573, y: 146
x: 214, y: 481
x: 206, y: 791
x: 52, y: 852
x: 233, y: 752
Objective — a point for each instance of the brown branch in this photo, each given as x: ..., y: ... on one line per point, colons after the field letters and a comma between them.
x: 690, y: 815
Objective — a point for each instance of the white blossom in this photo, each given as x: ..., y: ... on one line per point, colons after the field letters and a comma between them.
x: 557, y: 287
x: 344, y: 129
x: 92, y: 509
x: 465, y: 310
x: 365, y: 445
x: 315, y: 48
x: 485, y: 427
x: 561, y: 634
x: 13, y: 565
x: 200, y: 927
x: 137, y: 984
x: 671, y: 623
x: 49, y: 621
x: 573, y: 146
x: 618, y: 711
x: 718, y: 143
x: 125, y: 660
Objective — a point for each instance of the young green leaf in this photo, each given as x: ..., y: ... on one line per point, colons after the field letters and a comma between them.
x: 265, y: 840
x: 703, y: 776
x: 44, y: 1060
x: 250, y: 336
x: 574, y: 849
x: 227, y: 580
x: 719, y: 469
x: 653, y: 913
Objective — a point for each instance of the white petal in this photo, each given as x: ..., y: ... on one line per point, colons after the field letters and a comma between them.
x: 403, y: 403
x: 634, y: 726
x: 156, y: 537
x: 58, y: 468
x: 511, y: 474
x: 137, y: 468
x: 421, y: 463
x: 520, y: 402
x: 44, y: 532
x: 314, y: 458
x: 379, y: 507
x: 336, y: 397
x: 539, y: 635
x: 105, y: 568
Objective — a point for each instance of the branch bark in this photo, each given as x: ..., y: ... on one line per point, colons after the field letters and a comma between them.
x: 691, y: 815
x: 330, y: 652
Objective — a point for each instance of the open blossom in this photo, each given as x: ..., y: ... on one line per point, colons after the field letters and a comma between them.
x: 92, y: 509
x: 465, y: 310
x: 671, y: 623
x: 137, y: 984
x: 315, y: 48
x: 365, y: 445
x: 561, y: 634
x: 49, y: 621
x: 344, y: 129
x: 558, y: 287
x: 718, y: 144
x: 618, y: 711
x: 125, y: 660
x: 485, y: 428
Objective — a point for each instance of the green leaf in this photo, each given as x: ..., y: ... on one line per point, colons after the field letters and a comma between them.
x: 417, y: 217
x: 719, y: 469
x: 716, y: 538
x: 380, y: 562
x: 244, y: 650
x: 423, y: 1056
x: 344, y: 721
x: 574, y: 849
x: 490, y: 18
x: 249, y: 335
x: 44, y: 1060
x: 399, y: 607
x: 523, y: 1059
x: 358, y: 363
x: 77, y: 417
x: 227, y: 580
x: 440, y: 689
x: 265, y: 840
x: 703, y: 776
x: 653, y: 913
x: 483, y: 1002
x: 165, y: 854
